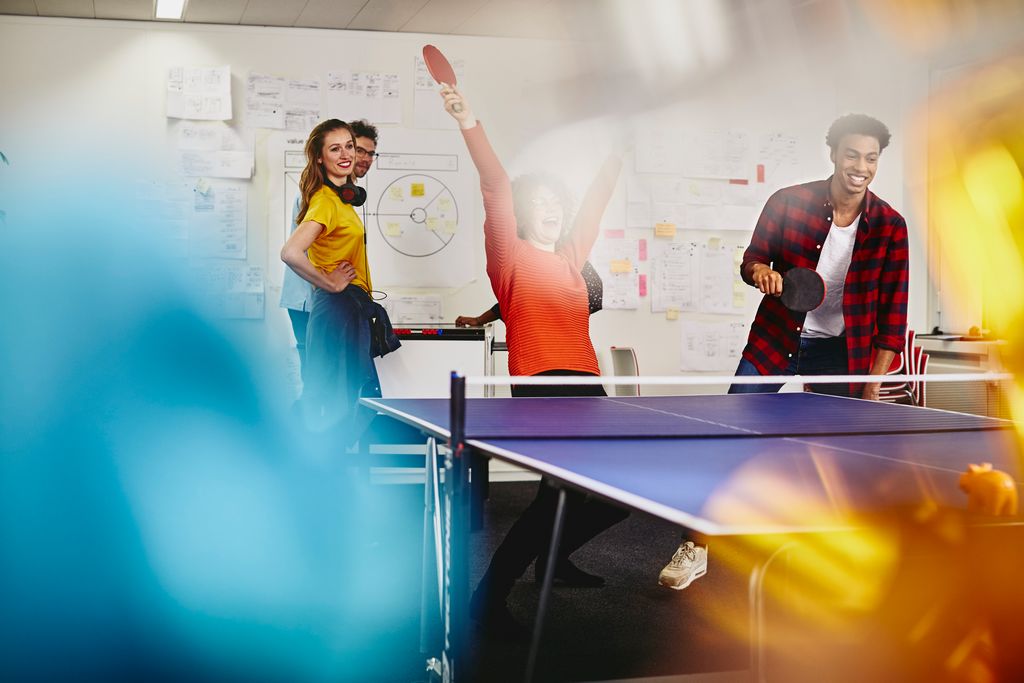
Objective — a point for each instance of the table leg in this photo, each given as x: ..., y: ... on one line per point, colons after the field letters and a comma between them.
x: 431, y: 569
x: 545, y: 589
x: 755, y: 588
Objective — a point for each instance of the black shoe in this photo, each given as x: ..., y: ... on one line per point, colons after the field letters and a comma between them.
x: 568, y: 574
x: 496, y: 621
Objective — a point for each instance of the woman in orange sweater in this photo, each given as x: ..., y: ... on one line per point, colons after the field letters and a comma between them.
x: 535, y: 272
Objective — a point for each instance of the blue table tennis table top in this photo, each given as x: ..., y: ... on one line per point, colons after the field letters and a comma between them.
x: 735, y: 464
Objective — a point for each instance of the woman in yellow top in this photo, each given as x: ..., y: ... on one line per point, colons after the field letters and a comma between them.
x: 328, y: 250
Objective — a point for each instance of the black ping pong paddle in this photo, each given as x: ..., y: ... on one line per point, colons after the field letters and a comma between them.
x: 803, y: 290
x: 440, y: 69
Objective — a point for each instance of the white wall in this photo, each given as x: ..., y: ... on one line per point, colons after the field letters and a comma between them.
x: 83, y: 101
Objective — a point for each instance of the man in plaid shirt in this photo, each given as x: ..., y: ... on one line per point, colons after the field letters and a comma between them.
x: 858, y: 244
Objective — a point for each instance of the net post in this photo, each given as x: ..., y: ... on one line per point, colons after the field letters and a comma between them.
x: 457, y: 504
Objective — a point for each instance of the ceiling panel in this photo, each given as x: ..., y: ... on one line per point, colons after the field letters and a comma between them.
x: 139, y: 10
x: 386, y: 15
x: 442, y: 16
x: 215, y: 11
x: 272, y: 12
x: 329, y: 13
x: 516, y: 18
x: 508, y: 18
x: 66, y: 8
x: 18, y: 7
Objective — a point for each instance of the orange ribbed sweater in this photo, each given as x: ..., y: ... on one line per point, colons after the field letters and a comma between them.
x: 542, y: 295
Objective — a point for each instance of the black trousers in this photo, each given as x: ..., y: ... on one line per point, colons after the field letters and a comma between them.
x: 530, y: 535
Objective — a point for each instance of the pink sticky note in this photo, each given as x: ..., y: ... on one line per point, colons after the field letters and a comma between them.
x: 642, y: 248
x: 642, y: 281
x: 614, y: 234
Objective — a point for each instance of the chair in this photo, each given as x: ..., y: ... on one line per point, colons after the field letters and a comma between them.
x: 921, y: 395
x: 624, y: 364
x: 902, y: 363
x: 915, y: 368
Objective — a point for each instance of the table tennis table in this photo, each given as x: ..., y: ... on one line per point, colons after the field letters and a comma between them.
x: 694, y: 460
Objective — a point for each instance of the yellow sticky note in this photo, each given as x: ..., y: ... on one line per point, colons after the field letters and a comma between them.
x: 739, y: 294
x: 444, y: 203
x: 433, y: 223
x: 416, y: 189
x: 671, y: 314
x: 665, y: 230
x: 449, y: 227
x: 622, y: 265
x: 394, y: 229
x: 395, y: 192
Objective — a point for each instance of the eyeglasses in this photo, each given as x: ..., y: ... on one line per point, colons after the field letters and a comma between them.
x: 360, y: 152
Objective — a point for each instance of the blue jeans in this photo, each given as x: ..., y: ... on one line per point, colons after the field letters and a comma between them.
x: 300, y: 321
x: 339, y: 367
x: 823, y: 356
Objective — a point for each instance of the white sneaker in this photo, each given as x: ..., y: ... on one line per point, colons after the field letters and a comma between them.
x: 689, y: 563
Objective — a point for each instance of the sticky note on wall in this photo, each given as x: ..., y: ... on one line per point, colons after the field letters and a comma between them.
x: 620, y: 265
x: 666, y: 230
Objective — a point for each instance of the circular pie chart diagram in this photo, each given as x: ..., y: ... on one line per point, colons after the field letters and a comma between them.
x: 417, y: 215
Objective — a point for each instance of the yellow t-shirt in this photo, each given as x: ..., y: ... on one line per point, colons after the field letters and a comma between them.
x: 342, y: 238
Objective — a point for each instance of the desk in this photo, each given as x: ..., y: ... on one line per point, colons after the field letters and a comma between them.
x: 422, y: 367
x: 680, y: 457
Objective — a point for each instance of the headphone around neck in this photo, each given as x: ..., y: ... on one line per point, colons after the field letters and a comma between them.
x: 349, y: 193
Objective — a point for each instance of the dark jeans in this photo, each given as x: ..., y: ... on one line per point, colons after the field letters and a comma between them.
x: 585, y: 516
x: 824, y: 356
x: 339, y: 367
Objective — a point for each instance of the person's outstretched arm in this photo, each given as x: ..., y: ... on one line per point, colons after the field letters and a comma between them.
x: 595, y: 201
x: 499, y: 216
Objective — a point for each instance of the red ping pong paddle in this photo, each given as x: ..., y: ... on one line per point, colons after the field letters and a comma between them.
x: 440, y: 69
x: 803, y: 290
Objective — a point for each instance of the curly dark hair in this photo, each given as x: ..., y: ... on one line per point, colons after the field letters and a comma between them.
x: 857, y: 124
x: 361, y: 128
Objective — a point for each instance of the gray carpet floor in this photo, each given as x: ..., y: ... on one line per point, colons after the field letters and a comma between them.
x: 632, y: 627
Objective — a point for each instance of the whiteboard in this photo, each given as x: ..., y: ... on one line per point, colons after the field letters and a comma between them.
x: 420, y: 218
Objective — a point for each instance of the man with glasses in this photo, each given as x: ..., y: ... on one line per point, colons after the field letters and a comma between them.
x: 296, y: 292
x: 366, y: 146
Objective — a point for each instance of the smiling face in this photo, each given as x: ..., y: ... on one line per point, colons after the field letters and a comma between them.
x: 338, y: 155
x: 856, y: 161
x: 544, y: 224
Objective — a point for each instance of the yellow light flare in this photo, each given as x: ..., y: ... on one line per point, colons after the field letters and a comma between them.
x: 976, y: 201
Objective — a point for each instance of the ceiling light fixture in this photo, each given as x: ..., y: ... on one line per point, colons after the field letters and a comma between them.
x: 170, y: 9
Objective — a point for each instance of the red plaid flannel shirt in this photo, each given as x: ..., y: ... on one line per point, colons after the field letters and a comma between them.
x: 790, y: 233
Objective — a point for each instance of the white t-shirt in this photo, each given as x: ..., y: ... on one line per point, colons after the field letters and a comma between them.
x: 827, y: 319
